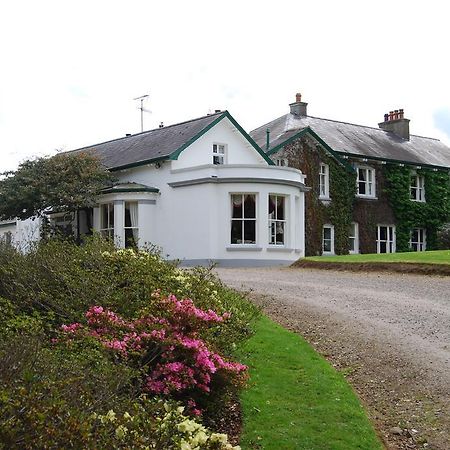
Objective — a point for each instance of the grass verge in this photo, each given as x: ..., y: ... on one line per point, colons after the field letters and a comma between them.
x: 430, y: 257
x: 295, y: 399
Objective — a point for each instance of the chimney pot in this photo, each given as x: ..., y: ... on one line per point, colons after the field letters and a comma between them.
x: 161, y: 125
x: 298, y: 98
x: 386, y: 117
x: 391, y: 115
x: 400, y: 111
x: 128, y: 134
x: 217, y: 111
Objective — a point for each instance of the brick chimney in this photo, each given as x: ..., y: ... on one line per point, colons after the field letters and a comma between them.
x: 394, y: 121
x: 298, y: 108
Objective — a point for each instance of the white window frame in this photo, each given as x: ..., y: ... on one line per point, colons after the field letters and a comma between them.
x: 276, y: 225
x: 331, y: 227
x: 219, y: 153
x: 244, y: 219
x: 136, y: 238
x: 417, y: 188
x: 281, y: 162
x: 370, y: 181
x: 390, y: 241
x: 421, y: 242
x: 324, y: 181
x: 354, y: 226
x: 108, y: 230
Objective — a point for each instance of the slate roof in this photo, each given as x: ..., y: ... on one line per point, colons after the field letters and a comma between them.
x: 355, y: 140
x: 152, y: 145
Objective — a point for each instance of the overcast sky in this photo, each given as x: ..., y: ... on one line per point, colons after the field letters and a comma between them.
x: 70, y: 70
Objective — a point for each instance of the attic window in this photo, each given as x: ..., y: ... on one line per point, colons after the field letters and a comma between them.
x: 219, y: 154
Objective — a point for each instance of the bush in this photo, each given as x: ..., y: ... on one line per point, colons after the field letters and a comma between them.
x: 62, y: 280
x: 61, y: 396
x: 443, y: 237
x: 81, y: 392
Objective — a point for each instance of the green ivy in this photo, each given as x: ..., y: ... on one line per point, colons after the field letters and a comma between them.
x: 342, y: 194
x: 409, y: 214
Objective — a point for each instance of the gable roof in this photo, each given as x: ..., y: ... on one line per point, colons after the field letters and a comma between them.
x: 356, y: 140
x: 161, y: 143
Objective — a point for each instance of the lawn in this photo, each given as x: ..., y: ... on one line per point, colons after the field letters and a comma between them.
x: 296, y: 400
x: 431, y: 257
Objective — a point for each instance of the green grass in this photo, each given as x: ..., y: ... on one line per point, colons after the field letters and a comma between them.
x: 432, y: 257
x: 296, y: 400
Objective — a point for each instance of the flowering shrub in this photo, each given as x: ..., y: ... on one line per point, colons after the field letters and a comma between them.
x: 175, y: 360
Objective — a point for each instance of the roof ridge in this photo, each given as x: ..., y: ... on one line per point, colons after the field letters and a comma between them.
x: 147, y: 131
x: 365, y: 126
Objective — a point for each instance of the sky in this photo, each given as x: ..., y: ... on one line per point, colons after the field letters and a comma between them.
x: 70, y: 70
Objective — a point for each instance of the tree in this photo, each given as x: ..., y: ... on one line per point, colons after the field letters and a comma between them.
x: 62, y: 183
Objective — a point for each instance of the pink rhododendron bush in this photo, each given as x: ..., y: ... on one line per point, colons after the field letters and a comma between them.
x: 168, y: 350
x: 106, y: 348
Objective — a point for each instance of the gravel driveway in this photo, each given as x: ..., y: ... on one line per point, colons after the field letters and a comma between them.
x: 388, y: 333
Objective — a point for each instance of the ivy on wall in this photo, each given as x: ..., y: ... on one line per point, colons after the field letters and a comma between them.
x: 307, y: 156
x: 409, y: 214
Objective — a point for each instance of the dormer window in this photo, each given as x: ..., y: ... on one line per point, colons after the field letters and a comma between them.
x: 219, y: 154
x: 417, y: 188
x: 365, y: 183
x: 324, y: 181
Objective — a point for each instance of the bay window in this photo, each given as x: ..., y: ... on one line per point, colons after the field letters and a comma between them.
x: 277, y: 219
x: 107, y: 220
x: 243, y: 218
x: 131, y: 224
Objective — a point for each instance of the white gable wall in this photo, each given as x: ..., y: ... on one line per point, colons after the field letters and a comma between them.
x: 238, y: 149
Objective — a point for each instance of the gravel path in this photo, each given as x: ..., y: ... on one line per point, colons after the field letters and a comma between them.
x: 388, y: 333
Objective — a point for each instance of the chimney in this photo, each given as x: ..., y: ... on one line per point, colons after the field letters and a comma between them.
x: 161, y: 125
x: 298, y: 108
x: 396, y: 123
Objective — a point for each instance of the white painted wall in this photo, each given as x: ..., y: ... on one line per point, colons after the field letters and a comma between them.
x: 24, y: 232
x: 238, y: 149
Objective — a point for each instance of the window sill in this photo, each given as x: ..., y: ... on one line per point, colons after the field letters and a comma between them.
x: 243, y: 248
x: 366, y: 197
x: 417, y: 201
x: 279, y: 248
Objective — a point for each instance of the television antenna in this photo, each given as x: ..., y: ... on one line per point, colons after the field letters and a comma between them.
x: 141, y: 107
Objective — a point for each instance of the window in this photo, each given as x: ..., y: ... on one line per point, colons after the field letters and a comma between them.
x: 365, y: 184
x: 218, y: 153
x: 107, y: 220
x: 282, y: 162
x: 131, y: 224
x: 353, y: 238
x: 385, y: 239
x: 7, y: 238
x: 243, y: 218
x: 417, y: 241
x: 417, y: 189
x: 324, y: 181
x: 328, y: 240
x: 277, y: 219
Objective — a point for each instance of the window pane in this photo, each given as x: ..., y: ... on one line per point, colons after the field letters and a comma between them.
x: 249, y: 206
x: 362, y: 174
x: 236, y: 231
x: 272, y: 200
x: 362, y: 188
x: 383, y: 247
x: 280, y: 208
x: 383, y: 233
x: 249, y: 231
x: 327, y: 233
x: 327, y: 245
x: 236, y: 203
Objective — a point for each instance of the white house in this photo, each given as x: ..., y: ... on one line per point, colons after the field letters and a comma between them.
x: 202, y: 191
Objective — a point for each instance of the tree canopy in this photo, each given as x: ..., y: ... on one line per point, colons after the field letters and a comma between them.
x: 64, y: 182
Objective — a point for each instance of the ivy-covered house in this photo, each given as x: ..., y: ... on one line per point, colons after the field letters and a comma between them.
x: 373, y: 190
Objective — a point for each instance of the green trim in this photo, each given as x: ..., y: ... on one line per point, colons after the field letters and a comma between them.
x: 226, y: 114
x: 394, y: 161
x: 174, y: 155
x: 138, y: 163
x: 312, y: 133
